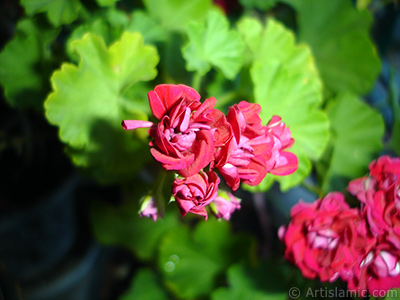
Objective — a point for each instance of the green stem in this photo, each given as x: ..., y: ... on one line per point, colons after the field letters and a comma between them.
x: 196, y: 81
x: 312, y: 188
x: 226, y: 98
x: 159, y: 189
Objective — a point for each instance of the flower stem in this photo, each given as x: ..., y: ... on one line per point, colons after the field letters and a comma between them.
x: 265, y: 222
x: 196, y: 81
x: 158, y: 190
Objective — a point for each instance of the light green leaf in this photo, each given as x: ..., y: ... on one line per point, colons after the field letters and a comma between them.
x: 145, y: 286
x: 141, y: 22
x: 122, y: 226
x: 338, y: 34
x: 174, y: 15
x: 357, y: 138
x: 97, y: 26
x: 213, y: 45
x: 88, y: 103
x: 264, y: 283
x: 58, y: 11
x: 104, y: 3
x: 363, y: 4
x: 274, y: 42
x: 24, y: 74
x: 286, y: 84
x: 111, y: 24
x: 201, y: 257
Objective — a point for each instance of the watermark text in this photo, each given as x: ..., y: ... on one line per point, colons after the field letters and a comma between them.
x: 336, y: 293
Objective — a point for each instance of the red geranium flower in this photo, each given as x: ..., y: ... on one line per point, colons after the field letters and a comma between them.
x: 195, y: 192
x: 183, y: 139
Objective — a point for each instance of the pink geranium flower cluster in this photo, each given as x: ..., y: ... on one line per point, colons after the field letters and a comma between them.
x: 196, y: 141
x: 329, y: 240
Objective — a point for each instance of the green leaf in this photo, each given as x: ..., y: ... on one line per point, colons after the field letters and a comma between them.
x: 338, y: 34
x: 122, y: 226
x: 286, y: 84
x: 200, y: 257
x: 264, y: 283
x: 145, y: 286
x: 88, y: 104
x: 58, y: 11
x: 97, y: 26
x: 25, y: 74
x: 141, y: 22
x: 363, y: 4
x: 275, y: 42
x: 213, y: 45
x: 260, y: 4
x: 357, y: 133
x: 105, y: 3
x: 111, y: 24
x: 393, y: 294
x: 174, y: 15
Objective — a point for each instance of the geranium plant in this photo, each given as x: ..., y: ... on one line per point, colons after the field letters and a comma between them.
x: 199, y: 113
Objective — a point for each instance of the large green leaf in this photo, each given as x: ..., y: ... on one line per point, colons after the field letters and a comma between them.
x: 356, y: 140
x: 174, y: 15
x: 145, y: 286
x: 25, y: 74
x: 58, y: 11
x: 122, y: 226
x: 286, y: 84
x: 88, y: 103
x: 97, y: 26
x: 213, y: 45
x: 191, y: 263
x: 338, y: 34
x: 264, y: 283
x: 274, y: 42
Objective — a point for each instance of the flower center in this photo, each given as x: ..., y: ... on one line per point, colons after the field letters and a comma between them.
x: 323, y: 239
x: 386, y: 264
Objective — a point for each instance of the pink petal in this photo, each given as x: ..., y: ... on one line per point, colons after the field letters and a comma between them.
x: 164, y: 97
x: 185, y: 122
x: 185, y: 206
x: 286, y: 164
x: 172, y: 163
x: 134, y: 124
x: 157, y: 105
x: 202, y: 150
x: 204, y: 107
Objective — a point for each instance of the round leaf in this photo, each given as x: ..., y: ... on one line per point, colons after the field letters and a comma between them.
x: 58, y: 11
x: 344, y: 52
x: 24, y: 74
x: 174, y: 15
x: 88, y: 102
x: 213, y: 45
x: 357, y: 138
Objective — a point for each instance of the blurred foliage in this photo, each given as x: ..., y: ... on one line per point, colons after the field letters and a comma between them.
x: 357, y: 132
